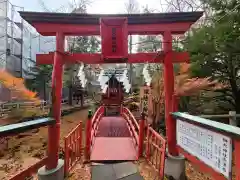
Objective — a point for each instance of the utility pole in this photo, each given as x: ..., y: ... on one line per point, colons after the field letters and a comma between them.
x: 131, y: 8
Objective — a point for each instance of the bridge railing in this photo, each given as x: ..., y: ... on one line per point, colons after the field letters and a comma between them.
x: 91, y: 129
x: 155, y: 150
x: 73, y: 148
x: 132, y: 125
x: 149, y: 143
x: 95, y: 122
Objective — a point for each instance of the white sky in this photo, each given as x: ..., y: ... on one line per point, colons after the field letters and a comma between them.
x: 97, y: 6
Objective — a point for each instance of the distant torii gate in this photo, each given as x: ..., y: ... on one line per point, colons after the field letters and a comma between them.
x: 114, y: 31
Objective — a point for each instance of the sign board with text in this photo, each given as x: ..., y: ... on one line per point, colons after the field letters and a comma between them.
x: 213, y: 149
x: 114, y: 38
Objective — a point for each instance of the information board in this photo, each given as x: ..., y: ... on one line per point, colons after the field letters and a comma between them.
x: 213, y: 149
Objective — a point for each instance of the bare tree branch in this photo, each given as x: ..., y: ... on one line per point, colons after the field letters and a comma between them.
x: 43, y: 5
x: 132, y: 7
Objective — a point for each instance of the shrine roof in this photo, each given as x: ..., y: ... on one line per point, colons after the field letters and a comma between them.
x: 93, y: 19
x: 113, y: 81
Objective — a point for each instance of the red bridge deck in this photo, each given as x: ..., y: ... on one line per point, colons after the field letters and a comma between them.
x: 113, y: 141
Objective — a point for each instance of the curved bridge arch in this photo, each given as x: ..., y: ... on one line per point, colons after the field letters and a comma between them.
x: 114, y: 138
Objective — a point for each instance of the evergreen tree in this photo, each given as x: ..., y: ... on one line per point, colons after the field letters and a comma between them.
x: 215, y: 48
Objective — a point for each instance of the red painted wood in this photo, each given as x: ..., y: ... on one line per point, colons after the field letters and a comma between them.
x: 113, y: 127
x: 88, y: 138
x: 177, y: 57
x: 237, y: 158
x: 54, y: 130
x: 141, y: 137
x: 132, y: 118
x: 48, y: 29
x: 113, y: 149
x: 95, y: 123
x: 72, y: 148
x: 202, y: 166
x: 169, y: 91
x: 114, y: 37
x: 30, y: 170
x: 156, y: 151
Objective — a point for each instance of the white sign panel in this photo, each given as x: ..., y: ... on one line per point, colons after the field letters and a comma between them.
x: 214, y: 149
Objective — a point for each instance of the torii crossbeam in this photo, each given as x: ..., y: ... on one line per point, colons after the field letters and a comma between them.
x: 114, y: 31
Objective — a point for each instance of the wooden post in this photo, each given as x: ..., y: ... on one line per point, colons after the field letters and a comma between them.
x: 88, y: 135
x: 54, y: 130
x: 232, y: 118
x: 141, y: 135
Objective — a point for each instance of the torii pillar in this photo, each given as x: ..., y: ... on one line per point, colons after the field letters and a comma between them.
x: 54, y: 168
x: 174, y: 164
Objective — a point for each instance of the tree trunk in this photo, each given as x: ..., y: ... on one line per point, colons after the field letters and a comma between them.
x: 156, y: 115
x: 44, y: 91
x: 82, y: 99
x: 70, y: 95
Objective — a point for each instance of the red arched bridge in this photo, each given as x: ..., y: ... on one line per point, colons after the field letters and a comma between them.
x: 114, y: 139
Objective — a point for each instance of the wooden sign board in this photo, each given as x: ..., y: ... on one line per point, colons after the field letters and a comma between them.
x: 114, y: 36
x: 213, y: 149
x: 144, y: 95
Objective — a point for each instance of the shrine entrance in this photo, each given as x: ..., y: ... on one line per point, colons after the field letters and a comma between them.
x: 114, y: 31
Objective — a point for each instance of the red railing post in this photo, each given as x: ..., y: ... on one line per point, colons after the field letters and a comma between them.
x: 237, y: 158
x: 141, y: 135
x: 66, y: 158
x: 80, y: 140
x: 148, y: 143
x: 88, y: 135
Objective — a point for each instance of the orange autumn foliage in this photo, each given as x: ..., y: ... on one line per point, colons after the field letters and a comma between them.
x: 185, y: 85
x: 17, y: 87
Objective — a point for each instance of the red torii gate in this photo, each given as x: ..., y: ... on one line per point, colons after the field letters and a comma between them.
x: 114, y: 31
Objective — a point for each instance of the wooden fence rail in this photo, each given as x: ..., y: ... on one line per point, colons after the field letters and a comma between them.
x: 5, y: 108
x: 232, y: 116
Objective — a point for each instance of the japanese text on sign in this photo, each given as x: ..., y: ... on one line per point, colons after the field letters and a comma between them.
x: 212, y: 148
x: 145, y: 101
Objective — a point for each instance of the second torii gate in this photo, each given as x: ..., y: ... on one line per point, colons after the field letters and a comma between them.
x: 114, y: 31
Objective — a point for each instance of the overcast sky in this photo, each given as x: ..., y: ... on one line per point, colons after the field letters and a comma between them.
x: 97, y: 6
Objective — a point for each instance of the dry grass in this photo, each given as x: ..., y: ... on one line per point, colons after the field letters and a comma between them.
x: 27, y: 148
